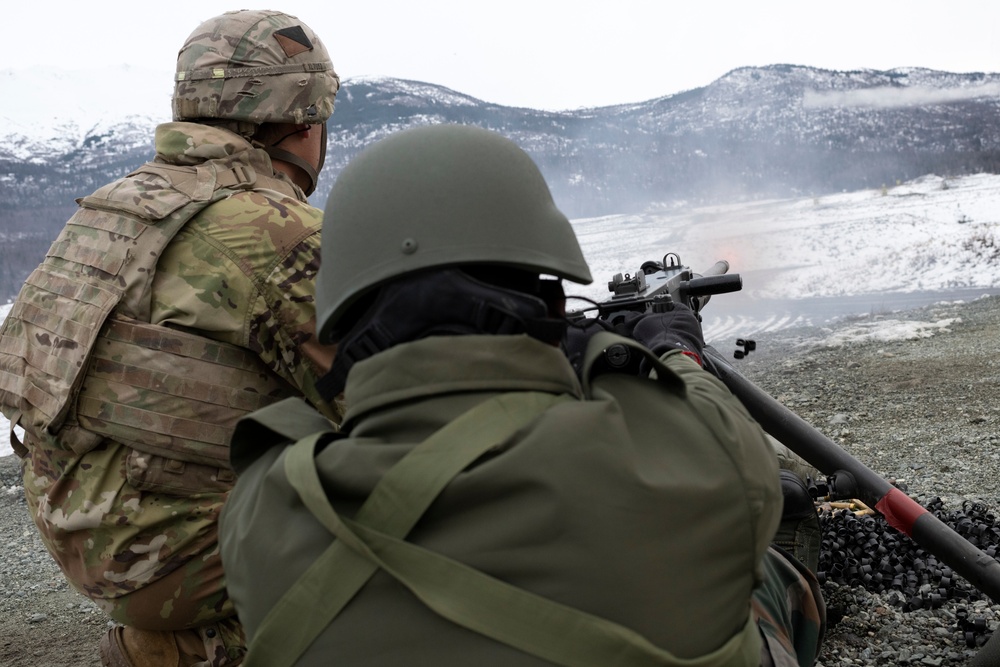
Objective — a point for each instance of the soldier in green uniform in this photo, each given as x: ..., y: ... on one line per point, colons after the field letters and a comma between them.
x: 484, y: 503
x: 175, y: 300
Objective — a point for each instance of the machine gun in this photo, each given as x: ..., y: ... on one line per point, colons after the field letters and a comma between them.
x: 659, y: 285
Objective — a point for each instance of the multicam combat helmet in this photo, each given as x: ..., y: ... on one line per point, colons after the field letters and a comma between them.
x: 254, y: 67
x: 435, y: 197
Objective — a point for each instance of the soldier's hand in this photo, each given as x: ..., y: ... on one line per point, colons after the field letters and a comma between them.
x: 675, y: 329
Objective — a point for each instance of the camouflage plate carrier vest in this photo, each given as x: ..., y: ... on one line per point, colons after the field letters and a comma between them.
x: 79, y: 360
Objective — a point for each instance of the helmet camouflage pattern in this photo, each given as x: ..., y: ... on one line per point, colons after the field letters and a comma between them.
x: 435, y: 197
x: 254, y: 67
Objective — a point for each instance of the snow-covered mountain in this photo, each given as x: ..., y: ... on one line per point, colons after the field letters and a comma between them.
x: 807, y: 260
x: 756, y: 133
x: 46, y: 115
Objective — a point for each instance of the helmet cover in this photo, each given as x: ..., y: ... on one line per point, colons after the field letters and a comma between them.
x: 255, y: 67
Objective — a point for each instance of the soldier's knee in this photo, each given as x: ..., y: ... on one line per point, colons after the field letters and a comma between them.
x: 799, y: 532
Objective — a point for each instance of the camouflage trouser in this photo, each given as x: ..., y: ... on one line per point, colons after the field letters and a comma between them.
x: 149, y: 560
x: 790, y: 611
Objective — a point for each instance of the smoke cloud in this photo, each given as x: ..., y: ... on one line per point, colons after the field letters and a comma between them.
x: 887, y: 97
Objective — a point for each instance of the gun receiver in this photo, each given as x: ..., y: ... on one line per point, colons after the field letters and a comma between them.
x: 657, y: 286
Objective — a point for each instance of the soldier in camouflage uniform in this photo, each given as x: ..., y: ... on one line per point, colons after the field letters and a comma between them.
x: 483, y: 503
x: 174, y: 301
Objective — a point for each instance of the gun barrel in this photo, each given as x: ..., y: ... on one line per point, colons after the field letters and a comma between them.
x: 717, y: 269
x: 900, y: 511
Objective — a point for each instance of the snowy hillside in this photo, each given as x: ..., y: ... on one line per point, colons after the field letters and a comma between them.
x: 754, y: 134
x: 929, y: 234
x: 52, y: 112
x: 805, y: 261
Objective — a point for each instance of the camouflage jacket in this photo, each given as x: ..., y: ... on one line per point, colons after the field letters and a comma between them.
x: 174, y: 301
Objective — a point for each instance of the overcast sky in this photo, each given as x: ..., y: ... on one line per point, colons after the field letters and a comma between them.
x: 544, y: 54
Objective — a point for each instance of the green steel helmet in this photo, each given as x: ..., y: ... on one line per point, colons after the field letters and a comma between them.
x: 434, y: 197
x: 254, y: 67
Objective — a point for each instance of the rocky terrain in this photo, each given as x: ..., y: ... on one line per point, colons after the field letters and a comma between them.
x: 924, y: 411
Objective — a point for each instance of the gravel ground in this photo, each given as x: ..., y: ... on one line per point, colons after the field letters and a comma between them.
x: 924, y: 411
x: 42, y: 620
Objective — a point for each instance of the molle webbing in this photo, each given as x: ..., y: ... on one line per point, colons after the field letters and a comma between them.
x: 101, y: 263
x: 143, y: 212
x: 45, y: 343
x: 172, y: 393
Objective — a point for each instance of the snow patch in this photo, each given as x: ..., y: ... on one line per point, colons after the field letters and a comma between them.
x: 888, y: 330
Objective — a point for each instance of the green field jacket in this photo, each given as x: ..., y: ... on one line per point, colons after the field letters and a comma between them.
x: 647, y: 503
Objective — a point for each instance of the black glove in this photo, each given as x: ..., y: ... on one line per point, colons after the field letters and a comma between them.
x: 674, y: 329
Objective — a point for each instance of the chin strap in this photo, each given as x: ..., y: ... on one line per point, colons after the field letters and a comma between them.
x: 311, y: 172
x: 440, y: 303
x: 292, y: 158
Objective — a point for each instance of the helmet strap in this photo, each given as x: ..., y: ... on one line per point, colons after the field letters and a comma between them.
x: 445, y: 302
x: 292, y: 158
x: 287, y: 156
x: 322, y: 152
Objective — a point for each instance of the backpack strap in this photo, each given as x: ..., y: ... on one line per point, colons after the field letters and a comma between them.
x: 610, y: 353
x: 395, y: 505
x: 287, y: 420
x: 463, y: 595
